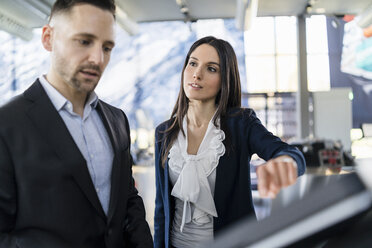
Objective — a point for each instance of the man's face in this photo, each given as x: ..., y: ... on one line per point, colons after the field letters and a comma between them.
x: 81, y: 44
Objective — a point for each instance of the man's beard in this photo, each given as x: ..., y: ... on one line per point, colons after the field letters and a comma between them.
x: 76, y: 82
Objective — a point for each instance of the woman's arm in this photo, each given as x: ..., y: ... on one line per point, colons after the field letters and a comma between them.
x: 284, y: 162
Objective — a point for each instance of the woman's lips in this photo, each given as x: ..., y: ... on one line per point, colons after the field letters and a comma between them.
x: 195, y: 86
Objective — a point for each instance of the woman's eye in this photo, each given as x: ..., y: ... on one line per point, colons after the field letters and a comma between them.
x: 212, y: 69
x: 192, y: 63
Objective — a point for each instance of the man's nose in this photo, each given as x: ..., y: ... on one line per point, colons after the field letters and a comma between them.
x: 96, y: 55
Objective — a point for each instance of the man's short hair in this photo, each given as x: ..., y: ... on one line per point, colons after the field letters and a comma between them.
x: 66, y: 5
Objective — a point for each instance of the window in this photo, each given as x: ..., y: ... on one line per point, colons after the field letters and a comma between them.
x: 271, y: 55
x: 271, y: 66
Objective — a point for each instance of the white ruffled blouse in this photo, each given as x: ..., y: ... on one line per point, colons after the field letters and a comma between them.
x: 193, y: 176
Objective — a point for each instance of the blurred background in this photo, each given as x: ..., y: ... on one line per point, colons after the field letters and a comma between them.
x: 305, y: 67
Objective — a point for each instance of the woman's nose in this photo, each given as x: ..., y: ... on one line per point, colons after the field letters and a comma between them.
x: 197, y: 74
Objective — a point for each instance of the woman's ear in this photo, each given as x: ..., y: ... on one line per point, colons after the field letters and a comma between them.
x: 47, y: 37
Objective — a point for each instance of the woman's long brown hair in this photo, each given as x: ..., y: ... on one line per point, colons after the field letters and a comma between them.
x: 228, y: 97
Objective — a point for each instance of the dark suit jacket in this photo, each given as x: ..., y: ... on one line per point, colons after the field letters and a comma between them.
x: 232, y: 195
x: 47, y: 197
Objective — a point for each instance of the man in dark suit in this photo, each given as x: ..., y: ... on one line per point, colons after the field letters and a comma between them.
x: 65, y: 163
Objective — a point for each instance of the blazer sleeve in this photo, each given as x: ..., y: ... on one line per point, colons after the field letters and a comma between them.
x: 136, y: 229
x: 8, y: 196
x: 159, y: 218
x: 268, y: 146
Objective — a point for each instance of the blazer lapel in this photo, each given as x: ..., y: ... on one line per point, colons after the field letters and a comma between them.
x: 118, y: 144
x: 54, y: 131
x: 168, y: 190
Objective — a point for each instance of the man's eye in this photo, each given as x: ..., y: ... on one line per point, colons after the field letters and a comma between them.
x: 84, y: 42
x: 107, y: 49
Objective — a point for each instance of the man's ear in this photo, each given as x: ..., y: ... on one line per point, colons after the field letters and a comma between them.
x: 47, y: 37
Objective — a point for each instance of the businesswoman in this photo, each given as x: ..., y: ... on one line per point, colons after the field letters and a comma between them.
x: 202, y: 152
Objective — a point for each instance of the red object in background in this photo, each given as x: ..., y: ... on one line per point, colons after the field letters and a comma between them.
x: 331, y: 158
x: 332, y: 161
x: 367, y: 32
x: 348, y: 18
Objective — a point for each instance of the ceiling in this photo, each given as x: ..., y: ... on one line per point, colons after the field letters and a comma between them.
x: 160, y: 10
x: 21, y: 16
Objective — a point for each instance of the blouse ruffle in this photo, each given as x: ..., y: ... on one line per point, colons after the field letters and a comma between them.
x: 192, y: 185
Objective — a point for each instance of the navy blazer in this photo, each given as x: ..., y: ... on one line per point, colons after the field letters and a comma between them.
x: 232, y: 195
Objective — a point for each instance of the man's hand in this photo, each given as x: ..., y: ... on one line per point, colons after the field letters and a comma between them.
x: 275, y: 174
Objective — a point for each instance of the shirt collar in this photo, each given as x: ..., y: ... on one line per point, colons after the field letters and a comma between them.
x: 92, y: 100
x: 57, y: 98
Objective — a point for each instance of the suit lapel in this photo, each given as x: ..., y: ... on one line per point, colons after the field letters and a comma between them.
x: 116, y: 136
x: 53, y: 129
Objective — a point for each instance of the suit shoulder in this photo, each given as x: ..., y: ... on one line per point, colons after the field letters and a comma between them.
x: 160, y: 130
x: 109, y: 106
x: 164, y: 125
x: 116, y: 112
x: 240, y: 113
x: 14, y: 102
x: 12, y: 108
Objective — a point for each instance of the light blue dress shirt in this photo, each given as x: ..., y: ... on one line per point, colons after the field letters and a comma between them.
x: 90, y: 136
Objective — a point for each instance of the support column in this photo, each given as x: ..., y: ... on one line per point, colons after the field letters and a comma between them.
x: 302, y: 97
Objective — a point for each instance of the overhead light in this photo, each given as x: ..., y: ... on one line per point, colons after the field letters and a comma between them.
x: 309, y: 8
x: 364, y: 19
x: 246, y: 11
x: 13, y: 27
x: 180, y: 2
x: 184, y: 10
x: 123, y: 20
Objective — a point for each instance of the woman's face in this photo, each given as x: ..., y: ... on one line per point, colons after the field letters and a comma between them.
x: 202, y: 77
